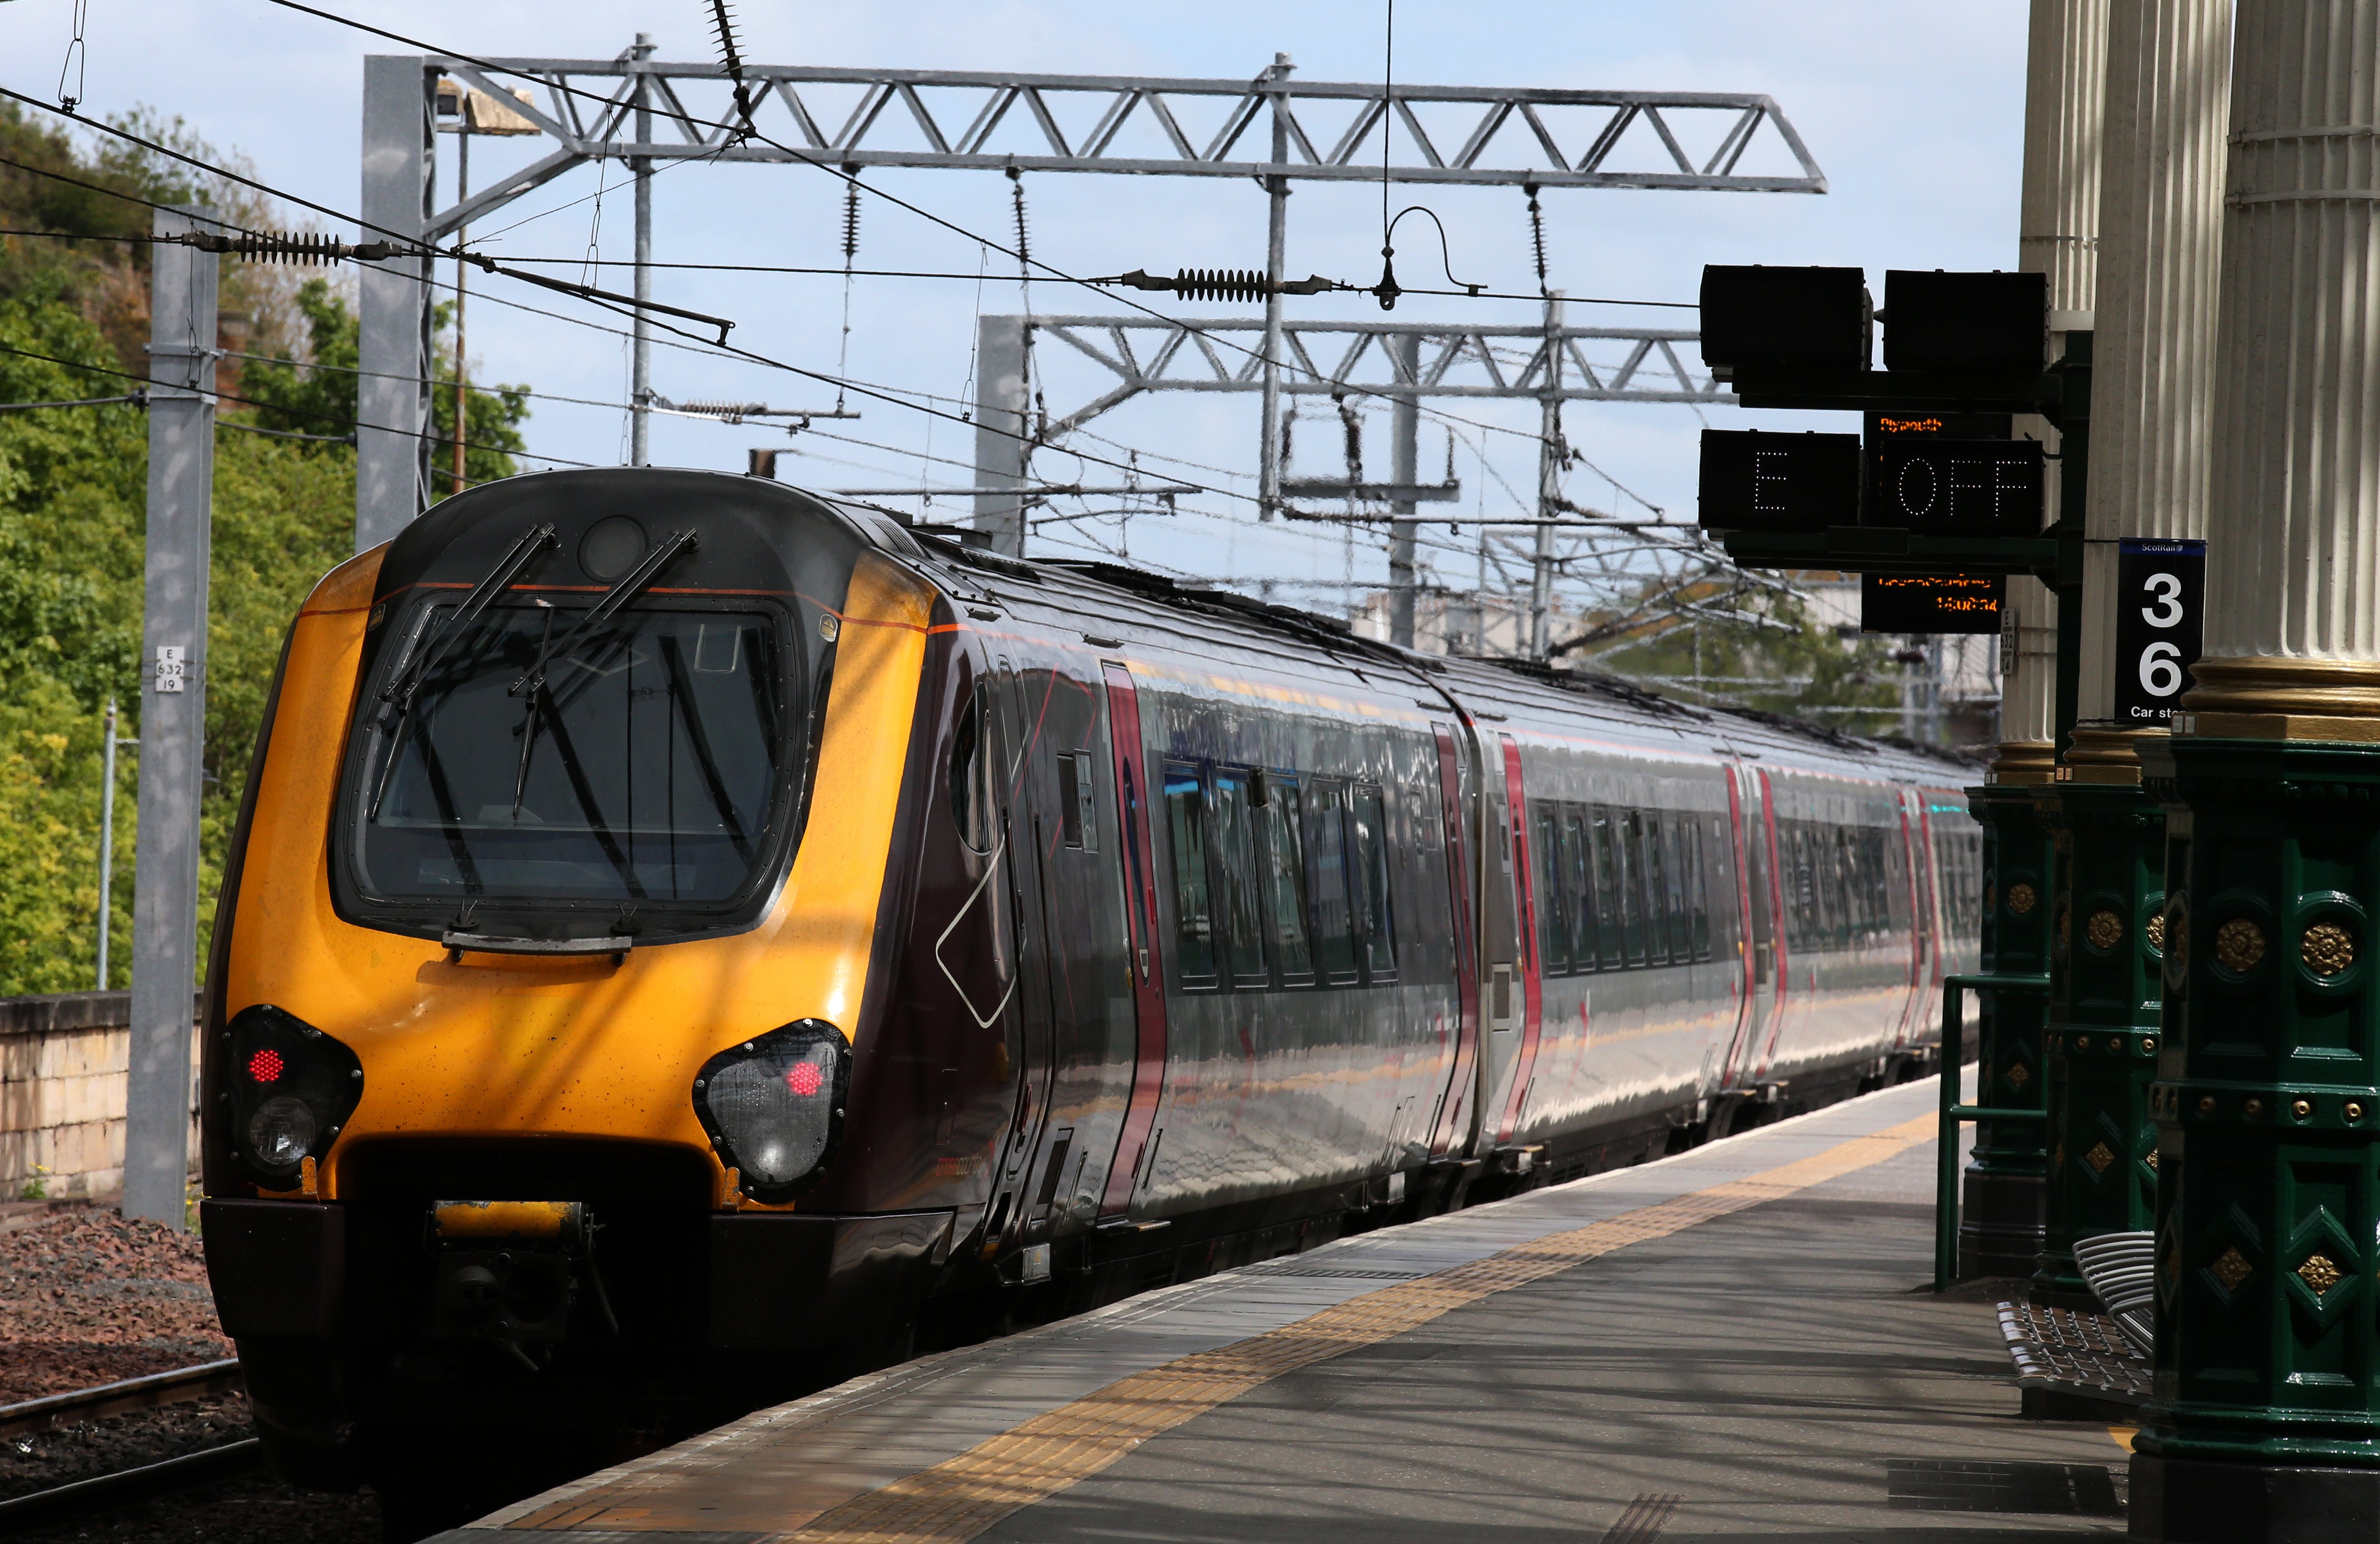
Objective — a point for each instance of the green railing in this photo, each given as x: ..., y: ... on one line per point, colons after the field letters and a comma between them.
x: 1954, y: 1045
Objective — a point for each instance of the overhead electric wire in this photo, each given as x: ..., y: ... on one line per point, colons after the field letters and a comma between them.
x: 598, y: 298
x: 269, y: 406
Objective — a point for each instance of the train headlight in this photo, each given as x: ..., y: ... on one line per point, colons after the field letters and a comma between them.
x: 291, y: 1088
x: 773, y: 1105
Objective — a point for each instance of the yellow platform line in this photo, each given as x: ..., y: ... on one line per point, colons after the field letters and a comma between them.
x: 959, y: 1498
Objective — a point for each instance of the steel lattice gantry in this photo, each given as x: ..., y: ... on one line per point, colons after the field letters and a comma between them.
x: 593, y: 109
x: 1359, y: 358
x: 1507, y: 137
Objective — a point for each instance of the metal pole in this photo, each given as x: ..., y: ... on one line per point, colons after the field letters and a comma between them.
x: 1550, y: 469
x: 1405, y: 418
x: 462, y: 269
x: 174, y: 635
x: 640, y: 385
x: 1276, y: 248
x: 999, y: 408
x: 393, y: 300
x: 106, y: 841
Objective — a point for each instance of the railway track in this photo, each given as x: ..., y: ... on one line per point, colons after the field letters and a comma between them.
x: 228, y: 1461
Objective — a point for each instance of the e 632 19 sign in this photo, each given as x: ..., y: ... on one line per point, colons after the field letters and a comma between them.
x: 2160, y: 622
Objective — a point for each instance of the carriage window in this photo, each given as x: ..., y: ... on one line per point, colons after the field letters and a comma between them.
x: 1285, y: 879
x: 1553, y: 921
x: 1703, y: 854
x: 1078, y: 816
x: 1194, y: 919
x: 1235, y: 845
x: 1610, y: 890
x: 1578, y: 883
x: 971, y: 772
x: 1368, y: 832
x: 1327, y: 843
x: 1673, y: 858
x: 1651, y: 875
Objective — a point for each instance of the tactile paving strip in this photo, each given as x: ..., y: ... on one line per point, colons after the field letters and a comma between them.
x: 2074, y: 1353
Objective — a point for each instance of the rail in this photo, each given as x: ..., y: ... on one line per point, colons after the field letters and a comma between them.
x: 1954, y: 1115
x: 115, y: 1399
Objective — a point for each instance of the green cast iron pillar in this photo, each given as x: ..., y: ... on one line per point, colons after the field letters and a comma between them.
x: 2099, y: 1038
x: 2265, y: 1420
x: 2000, y: 1212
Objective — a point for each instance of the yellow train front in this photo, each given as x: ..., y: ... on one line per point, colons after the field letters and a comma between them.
x: 542, y: 950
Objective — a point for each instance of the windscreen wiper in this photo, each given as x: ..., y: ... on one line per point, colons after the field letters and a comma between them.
x: 533, y: 680
x: 399, y: 692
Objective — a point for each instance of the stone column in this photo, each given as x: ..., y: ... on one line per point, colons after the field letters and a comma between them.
x: 2266, y: 1420
x: 2001, y: 1220
x: 2160, y: 223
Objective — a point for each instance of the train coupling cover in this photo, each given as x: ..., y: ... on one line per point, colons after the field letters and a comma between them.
x: 512, y: 1272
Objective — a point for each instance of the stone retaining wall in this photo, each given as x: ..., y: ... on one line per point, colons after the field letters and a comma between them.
x: 63, y: 1078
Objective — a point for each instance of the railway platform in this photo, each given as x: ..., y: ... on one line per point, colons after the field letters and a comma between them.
x: 1738, y: 1342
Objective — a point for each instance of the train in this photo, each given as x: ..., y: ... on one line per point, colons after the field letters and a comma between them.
x: 687, y: 941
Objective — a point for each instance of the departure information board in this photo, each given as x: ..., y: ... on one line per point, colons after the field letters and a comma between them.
x: 1931, y: 602
x: 1934, y: 486
x: 1779, y: 482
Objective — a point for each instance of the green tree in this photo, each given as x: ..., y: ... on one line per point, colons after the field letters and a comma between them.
x: 316, y: 396
x: 1749, y: 647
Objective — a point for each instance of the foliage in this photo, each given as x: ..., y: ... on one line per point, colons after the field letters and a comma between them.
x: 1727, y: 637
x: 73, y: 494
x: 321, y: 400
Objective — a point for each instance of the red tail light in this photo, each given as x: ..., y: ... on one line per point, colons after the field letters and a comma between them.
x: 265, y: 1066
x: 804, y: 1079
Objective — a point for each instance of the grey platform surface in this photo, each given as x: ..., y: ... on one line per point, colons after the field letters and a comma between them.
x: 1778, y: 1371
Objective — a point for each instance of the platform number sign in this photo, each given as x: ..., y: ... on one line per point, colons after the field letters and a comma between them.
x: 2161, y: 621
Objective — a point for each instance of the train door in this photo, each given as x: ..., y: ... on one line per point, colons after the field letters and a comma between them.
x: 1776, y: 999
x: 1920, y: 941
x: 1023, y: 813
x: 1145, y: 958
x: 1454, y: 784
x: 1753, y: 921
x: 1503, y: 1005
x: 1524, y: 905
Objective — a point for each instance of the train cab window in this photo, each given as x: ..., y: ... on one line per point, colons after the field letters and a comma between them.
x: 1578, y: 885
x: 1238, y: 876
x: 1334, y: 942
x: 971, y: 772
x: 1553, y: 917
x: 1194, y: 911
x: 1283, y: 828
x: 1367, y: 835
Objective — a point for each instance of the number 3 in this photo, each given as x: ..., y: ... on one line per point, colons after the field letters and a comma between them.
x: 2168, y: 610
x: 2161, y: 669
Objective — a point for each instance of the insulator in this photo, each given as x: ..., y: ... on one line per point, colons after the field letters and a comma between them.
x: 309, y: 248
x: 1023, y: 245
x: 1219, y: 283
x: 722, y: 410
x: 850, y: 223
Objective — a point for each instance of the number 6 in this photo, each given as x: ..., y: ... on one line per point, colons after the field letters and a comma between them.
x: 2161, y: 669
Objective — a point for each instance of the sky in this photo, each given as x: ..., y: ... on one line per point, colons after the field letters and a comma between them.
x: 1913, y: 114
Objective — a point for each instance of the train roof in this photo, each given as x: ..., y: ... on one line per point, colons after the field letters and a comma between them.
x: 1104, y: 598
